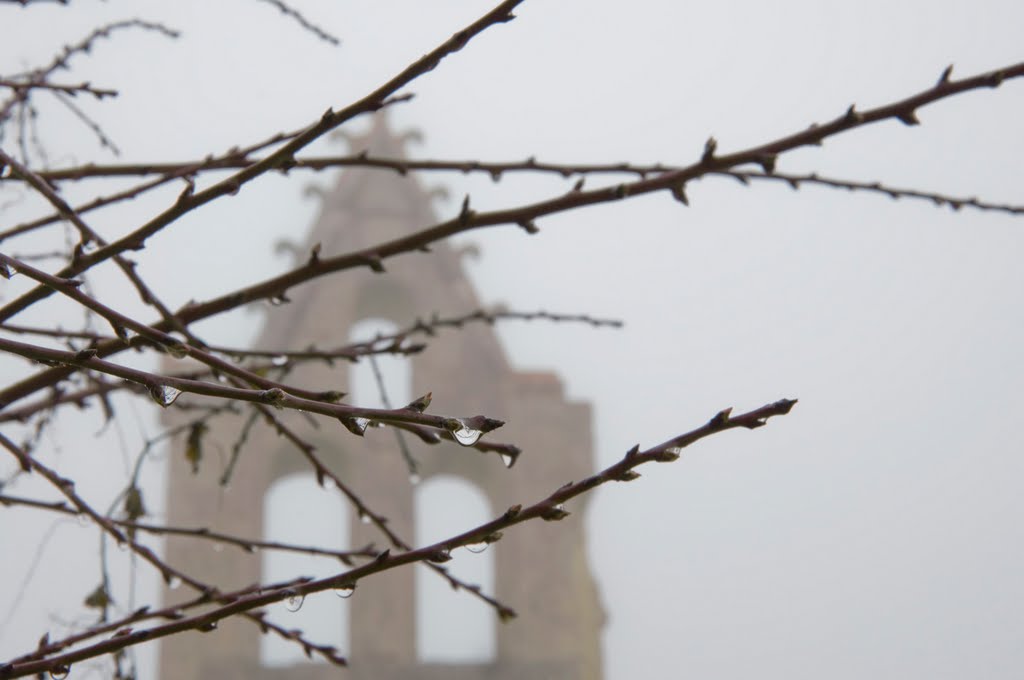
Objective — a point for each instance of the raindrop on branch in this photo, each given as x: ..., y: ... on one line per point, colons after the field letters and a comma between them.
x: 463, y: 434
x: 508, y: 459
x: 164, y: 394
x: 279, y: 360
x: 294, y: 602
x: 356, y: 426
x: 174, y: 582
x: 476, y: 547
x: 60, y: 672
x: 345, y: 591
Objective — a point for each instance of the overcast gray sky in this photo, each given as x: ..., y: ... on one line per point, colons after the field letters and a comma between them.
x: 874, y: 532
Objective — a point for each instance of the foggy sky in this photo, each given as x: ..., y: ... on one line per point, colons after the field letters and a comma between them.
x: 876, y: 530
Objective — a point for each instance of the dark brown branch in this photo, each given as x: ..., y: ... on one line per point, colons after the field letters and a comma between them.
x: 548, y: 509
x: 283, y: 157
x: 73, y: 90
x: 304, y: 22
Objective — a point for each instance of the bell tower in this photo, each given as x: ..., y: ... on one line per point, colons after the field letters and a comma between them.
x: 540, y: 569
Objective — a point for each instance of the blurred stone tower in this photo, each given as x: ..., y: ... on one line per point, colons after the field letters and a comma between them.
x: 540, y: 568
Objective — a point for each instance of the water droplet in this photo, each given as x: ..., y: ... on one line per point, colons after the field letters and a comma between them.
x: 279, y: 360
x: 60, y: 672
x: 278, y: 300
x: 476, y: 547
x: 363, y: 517
x: 414, y: 479
x: 84, y: 520
x: 174, y: 583
x: 508, y: 459
x: 555, y: 513
x: 463, y: 434
x: 122, y: 546
x: 345, y: 591
x: 207, y: 627
x: 356, y: 426
x: 164, y: 394
x: 670, y: 454
x: 294, y: 602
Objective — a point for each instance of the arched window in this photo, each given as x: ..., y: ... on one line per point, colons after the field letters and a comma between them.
x: 453, y: 627
x: 392, y: 370
x: 298, y: 511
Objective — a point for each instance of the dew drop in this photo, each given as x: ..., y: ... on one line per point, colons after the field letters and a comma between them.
x: 164, y: 394
x: 508, y: 459
x: 463, y: 434
x: 364, y: 518
x: 208, y: 627
x: 476, y: 547
x: 84, y: 520
x: 414, y: 479
x: 278, y: 300
x: 174, y: 583
x: 122, y: 546
x: 670, y: 454
x: 60, y: 672
x: 294, y: 602
x: 345, y: 591
x: 356, y: 426
x: 279, y: 360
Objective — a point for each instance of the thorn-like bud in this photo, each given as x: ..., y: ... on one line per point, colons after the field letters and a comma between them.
x: 314, y: 256
x: 909, y: 118
x: 578, y: 187
x: 374, y: 262
x: 944, y: 78
x: 679, y: 193
x: 529, y: 226
x: 465, y: 213
x: 633, y: 451
x: 721, y: 418
x: 513, y: 511
x: 851, y: 115
x: 627, y: 476
x: 86, y: 354
x: 709, y: 150
x: 767, y: 162
x: 420, y: 405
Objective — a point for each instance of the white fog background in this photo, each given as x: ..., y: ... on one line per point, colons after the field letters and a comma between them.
x: 875, y: 532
